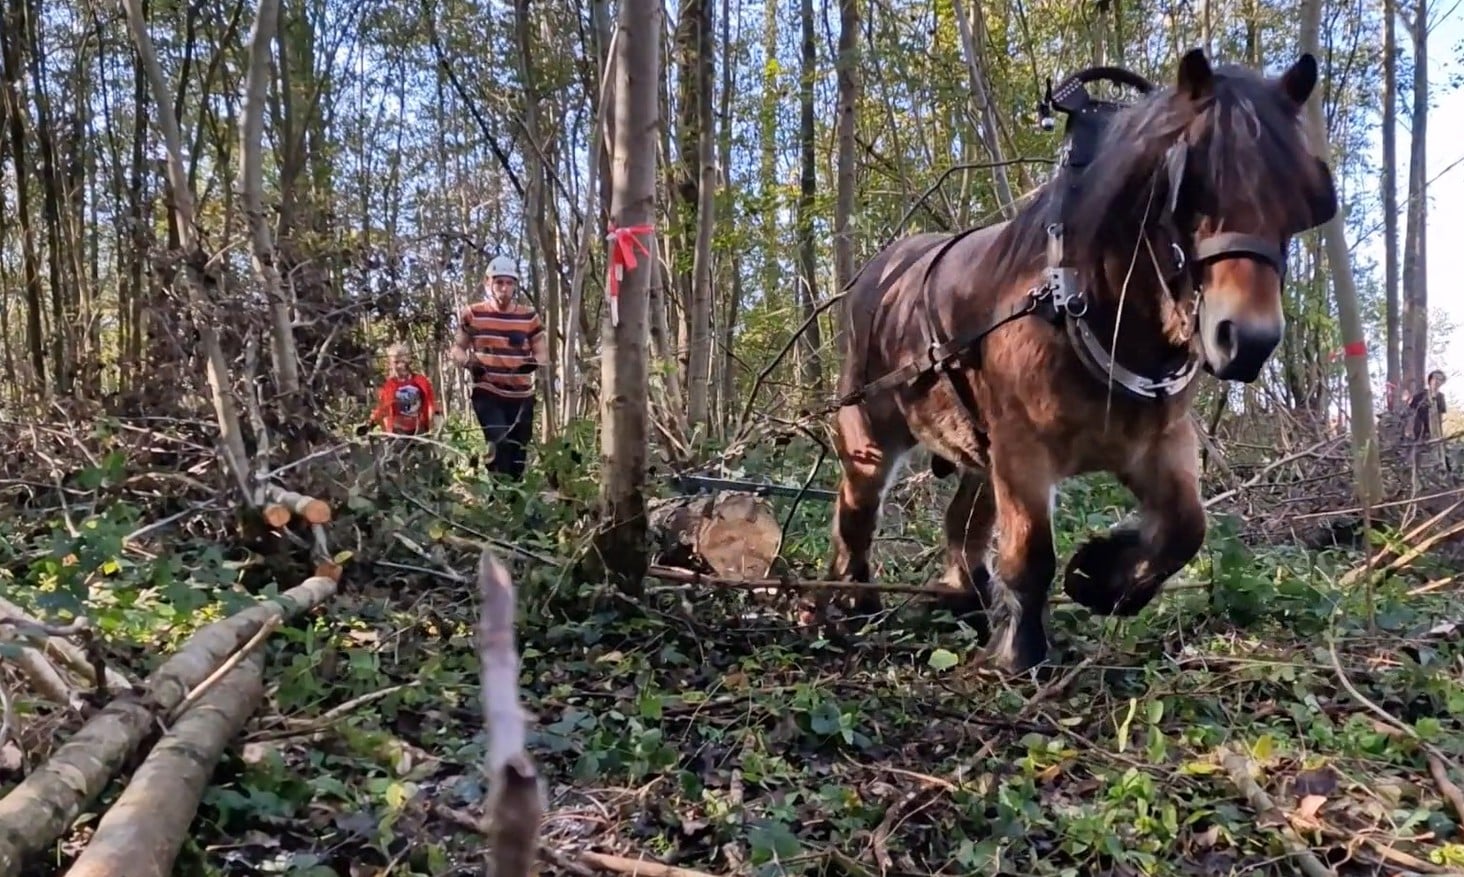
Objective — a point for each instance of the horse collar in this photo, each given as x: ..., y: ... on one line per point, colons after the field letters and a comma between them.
x: 1102, y: 365
x: 1063, y: 299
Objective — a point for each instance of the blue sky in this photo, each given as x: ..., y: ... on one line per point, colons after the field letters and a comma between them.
x: 1445, y: 192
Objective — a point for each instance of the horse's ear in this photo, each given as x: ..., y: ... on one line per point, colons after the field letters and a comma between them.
x: 1299, y: 80
x: 1195, y: 76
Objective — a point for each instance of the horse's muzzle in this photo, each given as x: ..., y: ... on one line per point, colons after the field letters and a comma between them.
x: 1237, y: 350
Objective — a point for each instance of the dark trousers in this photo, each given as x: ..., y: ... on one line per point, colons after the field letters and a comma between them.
x: 508, y: 425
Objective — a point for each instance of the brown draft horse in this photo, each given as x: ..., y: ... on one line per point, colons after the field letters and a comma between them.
x: 1175, y: 234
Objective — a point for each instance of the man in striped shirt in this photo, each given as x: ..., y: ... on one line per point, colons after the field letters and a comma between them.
x: 501, y: 343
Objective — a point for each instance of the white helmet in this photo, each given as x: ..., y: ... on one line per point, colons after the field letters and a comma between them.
x: 503, y: 266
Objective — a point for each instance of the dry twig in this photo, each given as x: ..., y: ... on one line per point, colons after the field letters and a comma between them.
x: 515, y: 800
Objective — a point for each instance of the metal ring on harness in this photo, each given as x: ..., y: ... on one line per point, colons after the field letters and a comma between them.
x: 1077, y: 305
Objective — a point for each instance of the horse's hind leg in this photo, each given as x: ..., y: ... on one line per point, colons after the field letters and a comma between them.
x: 1121, y: 571
x: 867, y: 470
x: 968, y: 523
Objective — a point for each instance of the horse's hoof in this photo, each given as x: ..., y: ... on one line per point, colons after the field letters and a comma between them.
x: 965, y: 599
x: 1100, y: 575
x: 1014, y: 649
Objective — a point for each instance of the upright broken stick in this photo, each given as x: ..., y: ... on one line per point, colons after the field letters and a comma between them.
x: 515, y: 800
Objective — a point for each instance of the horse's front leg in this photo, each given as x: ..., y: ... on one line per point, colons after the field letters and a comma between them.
x: 1025, y: 560
x: 1121, y: 571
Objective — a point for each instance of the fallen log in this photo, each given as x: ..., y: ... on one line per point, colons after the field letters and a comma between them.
x: 44, y: 805
x: 283, y: 504
x: 730, y: 535
x: 515, y: 798
x: 68, y: 653
x: 141, y: 833
x: 38, y: 670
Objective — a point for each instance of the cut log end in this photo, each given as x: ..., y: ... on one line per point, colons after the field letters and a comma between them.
x: 316, y: 511
x: 729, y: 535
x: 276, y: 515
x: 328, y: 570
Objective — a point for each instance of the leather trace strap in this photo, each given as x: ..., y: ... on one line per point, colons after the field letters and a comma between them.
x: 941, y: 355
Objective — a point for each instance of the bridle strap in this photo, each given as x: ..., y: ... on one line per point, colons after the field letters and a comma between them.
x: 1231, y: 245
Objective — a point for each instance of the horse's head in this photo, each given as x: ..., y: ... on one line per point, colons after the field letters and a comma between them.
x: 1241, y: 182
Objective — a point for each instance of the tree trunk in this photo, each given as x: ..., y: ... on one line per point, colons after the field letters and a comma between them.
x: 696, y: 196
x: 251, y: 192
x: 30, y: 266
x: 1339, y: 263
x: 1390, y: 202
x: 542, y: 249
x: 195, y: 259
x: 986, y: 129
x: 729, y: 268
x: 621, y: 539
x: 1413, y: 355
x: 807, y: 183
x: 847, y: 66
x: 52, y: 204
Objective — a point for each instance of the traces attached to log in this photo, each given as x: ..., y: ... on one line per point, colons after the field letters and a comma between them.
x: 515, y: 802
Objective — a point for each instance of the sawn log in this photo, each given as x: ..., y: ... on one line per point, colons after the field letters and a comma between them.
x: 726, y: 534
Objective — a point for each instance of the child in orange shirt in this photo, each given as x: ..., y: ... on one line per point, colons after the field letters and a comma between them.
x: 405, y: 404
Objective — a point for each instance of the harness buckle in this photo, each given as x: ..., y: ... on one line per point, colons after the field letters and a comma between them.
x: 932, y: 354
x: 1062, y: 280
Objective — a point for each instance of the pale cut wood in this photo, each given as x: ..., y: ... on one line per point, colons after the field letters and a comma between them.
x: 141, y: 833
x: 43, y: 806
x: 284, y: 503
x: 42, y: 675
x: 515, y: 797
x: 734, y: 535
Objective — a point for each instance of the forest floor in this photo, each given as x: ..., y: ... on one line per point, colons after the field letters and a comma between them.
x: 1275, y: 705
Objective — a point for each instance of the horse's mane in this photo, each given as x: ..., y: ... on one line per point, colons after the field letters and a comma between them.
x: 1247, y: 148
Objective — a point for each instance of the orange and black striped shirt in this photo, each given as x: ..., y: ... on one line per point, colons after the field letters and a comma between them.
x: 503, y: 342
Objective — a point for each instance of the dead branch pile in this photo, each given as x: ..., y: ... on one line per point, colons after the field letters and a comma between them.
x: 1303, y: 492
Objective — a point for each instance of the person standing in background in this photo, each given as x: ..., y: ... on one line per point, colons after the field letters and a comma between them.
x: 405, y: 404
x: 1428, y: 407
x: 501, y: 342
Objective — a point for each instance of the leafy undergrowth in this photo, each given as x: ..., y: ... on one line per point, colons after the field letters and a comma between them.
x: 705, y: 729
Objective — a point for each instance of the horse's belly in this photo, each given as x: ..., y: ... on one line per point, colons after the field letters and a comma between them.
x: 946, y: 427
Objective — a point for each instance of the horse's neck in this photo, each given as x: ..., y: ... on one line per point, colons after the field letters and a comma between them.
x: 1129, y: 295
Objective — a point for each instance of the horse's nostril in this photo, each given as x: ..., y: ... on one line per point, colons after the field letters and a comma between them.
x: 1225, y: 338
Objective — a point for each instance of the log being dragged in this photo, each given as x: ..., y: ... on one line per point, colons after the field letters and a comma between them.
x: 141, y: 833
x: 728, y: 535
